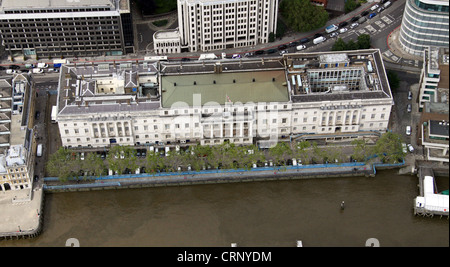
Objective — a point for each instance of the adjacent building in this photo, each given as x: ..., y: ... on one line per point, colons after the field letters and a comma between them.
x: 60, y: 28
x: 326, y: 95
x: 425, y: 23
x: 206, y: 25
x: 434, y: 104
x: 17, y: 145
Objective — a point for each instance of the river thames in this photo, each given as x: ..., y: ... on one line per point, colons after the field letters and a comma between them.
x: 256, y: 214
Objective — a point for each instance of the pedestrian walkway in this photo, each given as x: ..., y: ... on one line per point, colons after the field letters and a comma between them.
x: 21, y: 213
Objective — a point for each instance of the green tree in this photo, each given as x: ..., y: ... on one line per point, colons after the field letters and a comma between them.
x: 389, y: 147
x: 394, y: 81
x: 363, y: 41
x: 339, y: 45
x: 361, y: 151
x: 302, y: 16
x: 280, y: 153
x: 301, y: 150
x: 59, y: 165
x: 271, y: 37
x: 351, y: 45
x: 351, y: 5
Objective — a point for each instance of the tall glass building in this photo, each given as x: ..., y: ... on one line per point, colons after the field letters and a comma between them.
x: 425, y: 23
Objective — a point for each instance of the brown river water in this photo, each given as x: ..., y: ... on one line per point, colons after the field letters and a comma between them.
x: 255, y: 214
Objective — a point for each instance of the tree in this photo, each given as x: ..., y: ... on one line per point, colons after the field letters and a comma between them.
x: 360, y: 150
x: 301, y: 150
x: 59, y: 165
x: 280, y: 152
x: 389, y: 147
x: 351, y: 5
x: 302, y: 16
x: 271, y: 37
x: 394, y: 81
x: 351, y: 45
x: 339, y: 45
x: 364, y: 41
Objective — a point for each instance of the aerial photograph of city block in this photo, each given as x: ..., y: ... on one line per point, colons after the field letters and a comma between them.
x: 224, y: 123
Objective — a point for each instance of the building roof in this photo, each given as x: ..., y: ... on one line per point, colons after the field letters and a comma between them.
x: 153, y: 85
x: 439, y: 128
x: 217, y: 89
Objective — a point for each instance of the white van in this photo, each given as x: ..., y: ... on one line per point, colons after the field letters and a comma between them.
x: 39, y: 150
x: 10, y: 71
x: 388, y: 3
x: 38, y: 70
x: 319, y: 40
x: 42, y: 65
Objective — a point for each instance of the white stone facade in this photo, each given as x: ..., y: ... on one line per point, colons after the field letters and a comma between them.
x: 147, y: 117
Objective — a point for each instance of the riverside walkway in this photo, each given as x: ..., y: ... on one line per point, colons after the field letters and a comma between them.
x: 215, y: 176
x: 21, y: 213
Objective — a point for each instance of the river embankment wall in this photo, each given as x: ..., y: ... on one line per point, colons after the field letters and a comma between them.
x: 356, y: 169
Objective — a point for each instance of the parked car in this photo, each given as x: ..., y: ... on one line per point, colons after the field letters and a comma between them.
x: 343, y: 24
x: 410, y: 148
x: 259, y: 52
x: 334, y: 34
x: 408, y: 108
x: 408, y: 130
x: 282, y: 47
x: 271, y: 51
x: 301, y: 47
x: 354, y: 25
x: 342, y: 30
x: 355, y: 19
x: 404, y: 148
x: 283, y: 52
x: 365, y: 13
x: 409, y: 95
x: 294, y: 43
x: 372, y: 15
x: 304, y: 40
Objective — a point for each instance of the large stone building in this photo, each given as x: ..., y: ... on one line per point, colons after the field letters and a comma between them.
x: 205, y: 25
x: 17, y: 142
x: 328, y: 96
x: 425, y: 23
x: 63, y: 28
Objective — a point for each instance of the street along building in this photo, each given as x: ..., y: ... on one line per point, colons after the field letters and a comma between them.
x: 304, y: 96
x: 59, y: 28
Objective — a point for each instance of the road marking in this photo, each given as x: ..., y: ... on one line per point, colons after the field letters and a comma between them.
x: 395, y: 58
x: 380, y: 24
x: 387, y: 53
x: 387, y: 20
x: 371, y: 29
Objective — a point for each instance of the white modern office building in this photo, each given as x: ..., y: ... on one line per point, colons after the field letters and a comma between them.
x: 302, y: 96
x: 425, y: 23
x: 206, y: 25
